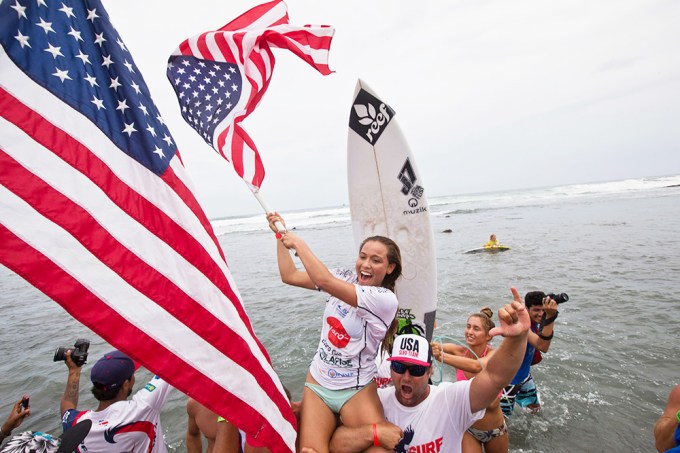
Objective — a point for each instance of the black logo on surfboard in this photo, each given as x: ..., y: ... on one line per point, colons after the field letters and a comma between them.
x: 369, y: 116
x: 409, y: 187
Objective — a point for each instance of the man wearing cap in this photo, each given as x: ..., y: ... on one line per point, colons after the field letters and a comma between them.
x: 119, y: 424
x: 428, y: 418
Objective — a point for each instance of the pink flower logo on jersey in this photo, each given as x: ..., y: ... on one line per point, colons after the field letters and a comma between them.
x: 337, y: 333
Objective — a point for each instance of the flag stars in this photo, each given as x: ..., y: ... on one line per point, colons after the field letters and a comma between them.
x: 232, y: 70
x: 122, y: 106
x: 21, y: 10
x: 91, y: 80
x: 83, y: 57
x: 107, y: 61
x: 143, y: 108
x: 75, y: 33
x: 159, y: 152
x: 66, y: 10
x: 55, y: 51
x: 114, y: 83
x: 181, y: 71
x: 220, y: 83
x: 129, y: 129
x: 23, y: 40
x: 47, y: 26
x: 201, y: 87
x: 98, y: 102
x: 128, y: 65
x: 197, y: 71
x: 41, y: 3
x: 192, y: 78
x: 234, y: 87
x: 151, y: 130
x: 99, y: 39
x: 185, y: 62
x: 167, y: 139
x: 63, y: 75
x: 121, y: 44
x: 92, y: 14
x: 160, y: 119
x: 136, y: 87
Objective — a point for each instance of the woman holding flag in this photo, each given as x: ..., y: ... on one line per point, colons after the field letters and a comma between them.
x: 359, y: 315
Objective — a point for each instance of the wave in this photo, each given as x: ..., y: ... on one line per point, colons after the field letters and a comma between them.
x: 464, y: 204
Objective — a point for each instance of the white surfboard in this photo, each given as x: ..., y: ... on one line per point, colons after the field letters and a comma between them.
x: 387, y: 198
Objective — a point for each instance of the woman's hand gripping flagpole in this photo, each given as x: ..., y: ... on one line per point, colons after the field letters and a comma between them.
x: 279, y: 226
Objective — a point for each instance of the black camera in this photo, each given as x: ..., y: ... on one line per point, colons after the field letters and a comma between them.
x: 78, y: 352
x: 559, y: 298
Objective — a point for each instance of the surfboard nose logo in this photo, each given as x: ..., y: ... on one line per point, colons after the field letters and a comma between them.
x: 370, y: 116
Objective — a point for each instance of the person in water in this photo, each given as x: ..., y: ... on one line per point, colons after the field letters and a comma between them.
x: 492, y: 242
x: 667, y: 427
x: 522, y: 390
x: 359, y: 315
x: 490, y: 433
x: 431, y: 418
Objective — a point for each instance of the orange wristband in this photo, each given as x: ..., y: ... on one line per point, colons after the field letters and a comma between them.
x: 376, y: 442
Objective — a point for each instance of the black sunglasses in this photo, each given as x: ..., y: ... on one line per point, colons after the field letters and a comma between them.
x: 414, y: 370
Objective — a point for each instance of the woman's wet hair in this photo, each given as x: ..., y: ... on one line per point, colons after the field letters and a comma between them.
x: 393, y: 257
x: 485, y: 314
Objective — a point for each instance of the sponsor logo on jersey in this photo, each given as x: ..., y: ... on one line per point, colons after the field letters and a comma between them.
x: 337, y: 334
x: 333, y: 374
x: 341, y: 311
x: 369, y: 116
x: 150, y: 387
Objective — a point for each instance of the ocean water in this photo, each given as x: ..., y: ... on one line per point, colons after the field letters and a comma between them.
x: 613, y: 247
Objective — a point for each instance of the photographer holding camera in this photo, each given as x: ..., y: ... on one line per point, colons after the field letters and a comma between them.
x: 120, y: 425
x: 522, y: 390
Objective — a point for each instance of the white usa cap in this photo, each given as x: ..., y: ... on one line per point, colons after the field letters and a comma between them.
x: 411, y: 349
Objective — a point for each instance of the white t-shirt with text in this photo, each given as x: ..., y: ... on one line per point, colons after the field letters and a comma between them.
x: 435, y: 425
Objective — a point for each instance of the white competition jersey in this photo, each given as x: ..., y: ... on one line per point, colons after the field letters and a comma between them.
x: 133, y: 425
x: 350, y: 336
x: 435, y: 425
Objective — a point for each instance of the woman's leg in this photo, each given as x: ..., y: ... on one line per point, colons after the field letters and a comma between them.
x: 364, y: 408
x: 317, y: 422
x: 470, y: 444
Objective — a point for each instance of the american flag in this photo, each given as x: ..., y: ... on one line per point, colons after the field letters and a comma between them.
x: 220, y: 77
x: 97, y: 212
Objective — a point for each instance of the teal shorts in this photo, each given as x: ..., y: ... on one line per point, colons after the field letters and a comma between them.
x: 334, y: 399
x: 525, y: 394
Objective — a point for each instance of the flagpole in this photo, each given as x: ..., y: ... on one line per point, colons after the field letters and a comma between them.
x: 265, y: 206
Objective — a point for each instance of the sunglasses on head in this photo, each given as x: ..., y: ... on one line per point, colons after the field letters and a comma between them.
x: 414, y: 370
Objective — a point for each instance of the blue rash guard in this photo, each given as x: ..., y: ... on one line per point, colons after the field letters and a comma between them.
x: 525, y: 369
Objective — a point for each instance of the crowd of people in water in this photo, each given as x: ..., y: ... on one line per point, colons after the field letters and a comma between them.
x: 367, y: 407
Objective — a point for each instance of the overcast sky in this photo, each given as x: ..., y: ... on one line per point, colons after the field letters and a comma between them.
x: 491, y: 95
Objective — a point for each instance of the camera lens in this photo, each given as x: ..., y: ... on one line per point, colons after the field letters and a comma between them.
x: 60, y: 354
